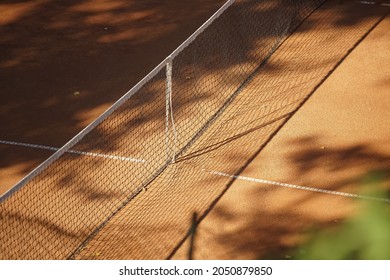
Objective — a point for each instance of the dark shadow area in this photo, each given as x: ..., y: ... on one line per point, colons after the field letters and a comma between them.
x: 359, y: 159
x: 265, y: 234
x: 63, y: 63
x: 80, y: 194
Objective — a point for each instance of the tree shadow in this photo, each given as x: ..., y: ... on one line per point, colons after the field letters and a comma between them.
x: 63, y: 63
x: 357, y: 159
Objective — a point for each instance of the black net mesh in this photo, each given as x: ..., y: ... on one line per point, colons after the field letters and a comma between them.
x: 127, y: 189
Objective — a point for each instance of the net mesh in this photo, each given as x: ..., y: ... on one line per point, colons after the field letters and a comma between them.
x: 150, y: 162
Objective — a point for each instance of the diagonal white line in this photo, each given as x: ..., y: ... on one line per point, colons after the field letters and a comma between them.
x: 311, y: 189
x: 42, y: 147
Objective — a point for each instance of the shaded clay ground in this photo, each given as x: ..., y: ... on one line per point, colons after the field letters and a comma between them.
x: 62, y: 63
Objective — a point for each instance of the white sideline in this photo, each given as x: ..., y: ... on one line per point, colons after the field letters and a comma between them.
x: 373, y: 3
x: 311, y: 189
x: 50, y: 148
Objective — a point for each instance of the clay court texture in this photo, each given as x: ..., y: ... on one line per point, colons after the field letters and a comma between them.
x: 282, y: 148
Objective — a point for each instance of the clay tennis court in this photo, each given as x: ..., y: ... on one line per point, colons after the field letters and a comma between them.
x: 323, y: 124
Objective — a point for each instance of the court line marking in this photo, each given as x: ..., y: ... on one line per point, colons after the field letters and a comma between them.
x: 373, y: 3
x: 292, y: 186
x: 50, y: 148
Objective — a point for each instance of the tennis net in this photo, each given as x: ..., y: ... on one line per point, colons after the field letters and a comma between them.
x: 57, y: 210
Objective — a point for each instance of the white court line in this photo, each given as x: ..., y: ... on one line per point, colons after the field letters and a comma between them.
x: 71, y: 151
x: 311, y: 189
x: 373, y: 3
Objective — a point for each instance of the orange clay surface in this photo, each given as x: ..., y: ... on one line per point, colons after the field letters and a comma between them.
x: 57, y: 81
